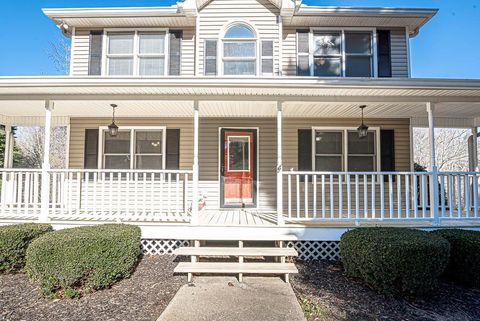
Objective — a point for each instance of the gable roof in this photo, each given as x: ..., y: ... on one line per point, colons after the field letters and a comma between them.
x: 202, y: 3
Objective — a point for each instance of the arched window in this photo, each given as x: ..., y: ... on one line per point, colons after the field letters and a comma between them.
x: 239, y: 50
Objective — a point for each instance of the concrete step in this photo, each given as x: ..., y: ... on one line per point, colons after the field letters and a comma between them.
x: 228, y: 268
x: 236, y: 251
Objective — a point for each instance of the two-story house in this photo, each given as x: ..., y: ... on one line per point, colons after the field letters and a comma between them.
x: 240, y: 120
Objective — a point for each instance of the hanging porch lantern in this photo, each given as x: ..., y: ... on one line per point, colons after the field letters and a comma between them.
x: 362, y: 129
x: 113, y: 128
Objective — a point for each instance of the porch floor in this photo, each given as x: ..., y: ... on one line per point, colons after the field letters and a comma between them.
x: 233, y: 218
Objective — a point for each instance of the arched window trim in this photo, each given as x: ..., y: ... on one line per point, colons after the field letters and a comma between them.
x: 224, y: 40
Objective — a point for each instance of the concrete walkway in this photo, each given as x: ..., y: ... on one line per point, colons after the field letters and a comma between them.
x: 225, y: 299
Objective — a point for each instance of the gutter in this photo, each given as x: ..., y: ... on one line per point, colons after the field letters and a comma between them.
x: 267, y: 82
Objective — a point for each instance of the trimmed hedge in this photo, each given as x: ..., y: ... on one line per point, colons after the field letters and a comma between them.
x: 464, y: 264
x: 395, y: 260
x: 14, y: 240
x: 69, y: 262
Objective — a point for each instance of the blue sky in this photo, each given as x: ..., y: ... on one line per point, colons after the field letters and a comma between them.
x: 447, y: 47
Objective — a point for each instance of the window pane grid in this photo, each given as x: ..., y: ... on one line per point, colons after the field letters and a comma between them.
x: 337, y: 150
x: 143, y: 53
x: 147, y: 151
x: 341, y: 54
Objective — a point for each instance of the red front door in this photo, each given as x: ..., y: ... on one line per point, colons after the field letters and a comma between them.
x: 238, y: 168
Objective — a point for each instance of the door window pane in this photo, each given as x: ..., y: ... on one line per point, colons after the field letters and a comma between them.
x: 358, y: 43
x: 152, y: 66
x: 117, y: 161
x: 239, y: 67
x: 327, y: 67
x: 328, y: 163
x: 119, y: 144
x: 120, y: 44
x: 151, y: 43
x: 327, y: 44
x: 358, y: 66
x: 328, y: 142
x: 238, y: 154
x: 148, y: 142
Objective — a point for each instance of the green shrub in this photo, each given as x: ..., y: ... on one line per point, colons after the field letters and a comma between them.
x: 395, y: 260
x: 69, y: 262
x: 464, y: 264
x: 14, y: 240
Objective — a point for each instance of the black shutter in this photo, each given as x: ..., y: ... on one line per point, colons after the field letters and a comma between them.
x: 304, y: 149
x: 267, y: 57
x: 173, y: 149
x: 384, y: 54
x: 91, y: 149
x: 95, y: 55
x: 210, y: 57
x: 303, y: 53
x: 387, y: 148
x: 175, y: 52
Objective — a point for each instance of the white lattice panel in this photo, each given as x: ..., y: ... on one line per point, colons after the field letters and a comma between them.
x: 161, y: 247
x: 316, y: 250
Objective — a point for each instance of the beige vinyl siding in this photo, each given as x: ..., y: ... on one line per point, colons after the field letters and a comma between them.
x: 289, y: 45
x: 261, y: 14
x: 80, y: 52
x: 399, y: 50
x: 188, y: 52
x: 209, y: 146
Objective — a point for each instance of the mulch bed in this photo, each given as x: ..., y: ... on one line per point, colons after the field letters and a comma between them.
x: 142, y: 297
x: 325, y: 293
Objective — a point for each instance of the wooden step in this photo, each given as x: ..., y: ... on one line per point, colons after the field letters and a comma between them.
x: 228, y: 268
x: 236, y: 251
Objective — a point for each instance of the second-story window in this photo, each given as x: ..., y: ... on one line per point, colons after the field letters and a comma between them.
x: 337, y: 53
x: 239, y: 51
x: 136, y: 53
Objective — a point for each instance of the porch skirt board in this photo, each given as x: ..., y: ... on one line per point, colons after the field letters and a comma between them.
x: 307, y: 250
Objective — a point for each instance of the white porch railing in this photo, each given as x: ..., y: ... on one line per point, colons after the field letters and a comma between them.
x: 370, y: 196
x: 120, y: 195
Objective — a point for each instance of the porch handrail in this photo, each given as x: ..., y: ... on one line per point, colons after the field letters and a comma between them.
x: 369, y: 196
x: 96, y: 194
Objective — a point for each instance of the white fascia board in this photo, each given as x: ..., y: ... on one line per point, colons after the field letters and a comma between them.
x: 355, y: 11
x: 424, y: 15
x: 59, y: 13
x: 267, y: 82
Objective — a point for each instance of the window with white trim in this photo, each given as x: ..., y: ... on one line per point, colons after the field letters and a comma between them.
x: 134, y: 148
x: 140, y: 53
x: 338, y: 149
x: 341, y: 53
x: 239, y: 51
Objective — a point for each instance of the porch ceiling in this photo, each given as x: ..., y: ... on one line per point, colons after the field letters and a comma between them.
x: 456, y: 102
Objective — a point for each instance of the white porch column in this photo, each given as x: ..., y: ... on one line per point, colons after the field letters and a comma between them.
x: 8, y: 152
x: 195, y: 168
x: 46, y: 162
x: 474, y: 151
x: 280, y: 220
x: 434, y: 202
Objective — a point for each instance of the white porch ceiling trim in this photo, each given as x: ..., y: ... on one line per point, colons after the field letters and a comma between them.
x: 212, y: 88
x: 33, y: 121
x: 444, y: 122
